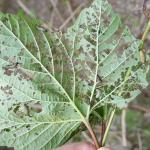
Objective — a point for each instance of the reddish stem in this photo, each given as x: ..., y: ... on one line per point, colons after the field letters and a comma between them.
x: 93, y: 136
x: 103, y: 128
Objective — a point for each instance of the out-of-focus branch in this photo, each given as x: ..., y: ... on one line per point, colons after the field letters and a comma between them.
x: 70, y: 10
x: 139, y: 108
x: 71, y: 17
x: 28, y: 12
x: 25, y: 8
x: 56, y: 10
x: 139, y: 140
x: 123, y: 125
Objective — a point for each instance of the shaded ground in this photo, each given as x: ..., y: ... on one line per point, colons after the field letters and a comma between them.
x: 60, y: 14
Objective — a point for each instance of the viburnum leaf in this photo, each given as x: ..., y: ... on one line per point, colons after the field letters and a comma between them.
x: 50, y: 83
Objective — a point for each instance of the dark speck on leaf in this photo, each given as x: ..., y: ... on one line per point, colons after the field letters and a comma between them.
x: 7, y: 90
x: 17, y: 64
x: 8, y: 98
x: 88, y: 45
x: 9, y: 109
x: 36, y: 134
x: 8, y: 72
x: 21, y: 52
x: 5, y: 19
x: 16, y: 109
x: 28, y: 126
x: 7, y: 130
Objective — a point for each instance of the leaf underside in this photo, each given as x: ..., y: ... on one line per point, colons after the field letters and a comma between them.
x: 50, y: 83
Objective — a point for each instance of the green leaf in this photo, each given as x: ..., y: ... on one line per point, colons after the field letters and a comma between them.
x: 50, y: 83
x: 27, y: 80
x: 104, y: 51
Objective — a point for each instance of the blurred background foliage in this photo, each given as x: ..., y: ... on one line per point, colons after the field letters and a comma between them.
x: 131, y: 127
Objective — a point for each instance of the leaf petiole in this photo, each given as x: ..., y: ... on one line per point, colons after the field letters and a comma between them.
x: 142, y: 51
x: 108, y: 127
x: 146, y: 32
x: 94, y: 138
